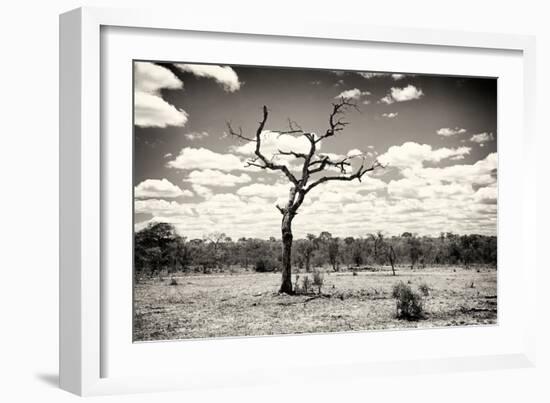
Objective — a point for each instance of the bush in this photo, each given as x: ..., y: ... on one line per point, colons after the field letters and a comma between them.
x: 306, y: 284
x: 318, y: 279
x: 264, y: 265
x: 424, y: 289
x: 409, y: 305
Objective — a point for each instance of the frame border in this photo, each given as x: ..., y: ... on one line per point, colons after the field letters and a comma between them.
x: 80, y: 167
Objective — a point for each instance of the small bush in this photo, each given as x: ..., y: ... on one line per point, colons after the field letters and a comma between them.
x: 424, y: 289
x: 409, y: 305
x: 264, y: 265
x: 318, y: 279
x: 173, y: 281
x: 297, y: 288
x: 306, y: 284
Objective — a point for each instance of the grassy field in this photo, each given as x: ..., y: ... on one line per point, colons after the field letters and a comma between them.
x: 246, y: 304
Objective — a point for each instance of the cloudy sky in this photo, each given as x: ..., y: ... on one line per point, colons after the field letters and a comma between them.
x: 435, y: 135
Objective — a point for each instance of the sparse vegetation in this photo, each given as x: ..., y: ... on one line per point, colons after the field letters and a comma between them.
x: 318, y: 279
x: 214, y: 277
x: 248, y: 303
x: 263, y: 265
x: 424, y: 289
x: 409, y: 304
x: 306, y: 284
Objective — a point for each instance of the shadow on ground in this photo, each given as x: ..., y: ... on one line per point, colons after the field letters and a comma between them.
x: 49, y: 379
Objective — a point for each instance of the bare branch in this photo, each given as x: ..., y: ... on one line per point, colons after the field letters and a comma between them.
x: 336, y: 124
x: 356, y: 175
x: 326, y: 161
x: 267, y: 164
x: 293, y: 153
x: 239, y: 133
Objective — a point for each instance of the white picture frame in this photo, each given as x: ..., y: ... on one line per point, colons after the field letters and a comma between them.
x: 83, y: 171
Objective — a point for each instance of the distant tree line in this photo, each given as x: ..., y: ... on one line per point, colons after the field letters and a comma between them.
x: 159, y: 248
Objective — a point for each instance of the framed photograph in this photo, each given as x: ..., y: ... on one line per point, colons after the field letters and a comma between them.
x: 232, y: 197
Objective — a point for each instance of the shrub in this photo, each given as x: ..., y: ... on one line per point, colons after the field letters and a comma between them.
x: 409, y: 305
x: 424, y: 289
x: 306, y: 284
x: 264, y: 265
x: 297, y: 288
x: 318, y: 279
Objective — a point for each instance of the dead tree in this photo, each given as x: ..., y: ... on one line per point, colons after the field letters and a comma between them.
x: 308, y: 178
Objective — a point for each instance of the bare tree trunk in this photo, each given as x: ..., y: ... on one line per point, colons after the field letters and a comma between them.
x: 392, y: 259
x: 286, y: 229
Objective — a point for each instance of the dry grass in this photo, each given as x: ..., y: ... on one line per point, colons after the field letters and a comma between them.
x: 248, y: 304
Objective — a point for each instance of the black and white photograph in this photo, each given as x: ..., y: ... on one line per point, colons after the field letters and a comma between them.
x: 282, y: 200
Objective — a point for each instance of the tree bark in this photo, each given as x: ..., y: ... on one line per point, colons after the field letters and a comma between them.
x: 286, y: 229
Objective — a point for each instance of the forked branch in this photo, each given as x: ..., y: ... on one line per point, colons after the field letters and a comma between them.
x: 312, y: 164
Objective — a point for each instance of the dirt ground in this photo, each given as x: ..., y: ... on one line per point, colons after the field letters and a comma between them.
x: 247, y: 304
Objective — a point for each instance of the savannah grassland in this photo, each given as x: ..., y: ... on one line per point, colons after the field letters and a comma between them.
x: 248, y: 304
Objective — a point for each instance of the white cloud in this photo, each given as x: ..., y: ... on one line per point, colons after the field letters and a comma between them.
x: 395, y: 76
x: 262, y: 190
x: 224, y: 75
x: 415, y: 187
x: 163, y: 208
x: 486, y: 195
x: 482, y: 138
x: 354, y: 153
x: 450, y: 192
x: 369, y: 75
x: 448, y: 132
x: 151, y: 78
x: 407, y: 93
x: 349, y: 189
x: 209, y: 177
x: 390, y: 115
x: 457, y: 198
x: 153, y: 111
x: 481, y: 173
x: 411, y: 154
x: 202, y: 158
x: 202, y: 191
x: 195, y: 135
x: 150, y: 110
x: 159, y: 188
x: 387, y: 100
x: 354, y: 93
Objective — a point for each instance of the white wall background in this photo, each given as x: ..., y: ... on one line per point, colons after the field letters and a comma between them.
x: 29, y: 201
